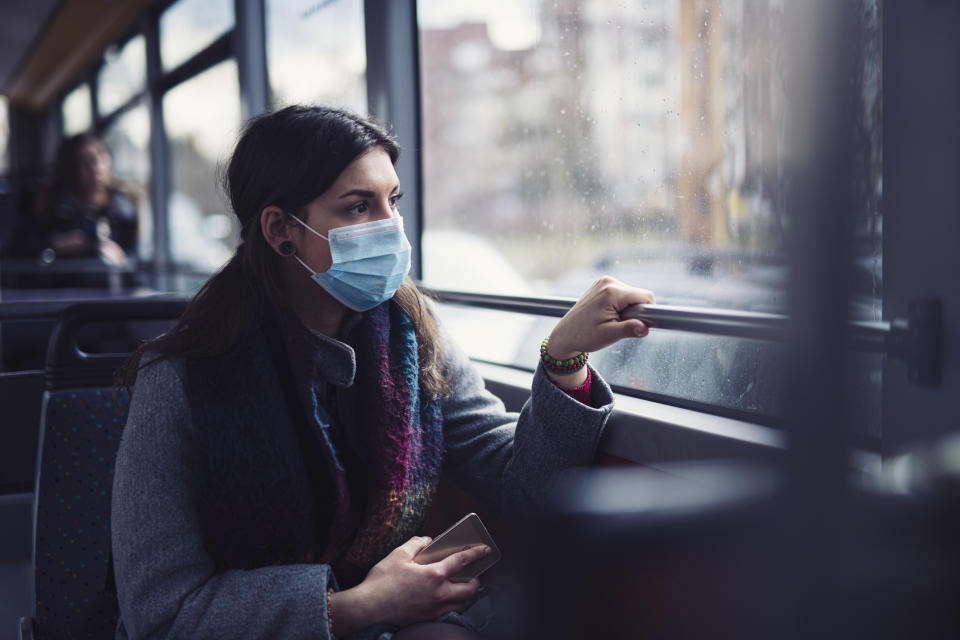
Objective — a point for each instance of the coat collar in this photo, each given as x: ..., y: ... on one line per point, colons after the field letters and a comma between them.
x: 315, y: 356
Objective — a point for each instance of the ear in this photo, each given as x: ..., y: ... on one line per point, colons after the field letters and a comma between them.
x: 275, y: 228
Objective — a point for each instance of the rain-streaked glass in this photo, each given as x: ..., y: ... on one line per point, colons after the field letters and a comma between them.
x: 76, y: 111
x: 316, y: 52
x: 648, y: 141
x: 201, y: 117
x: 190, y: 25
x: 128, y: 139
x: 123, y: 75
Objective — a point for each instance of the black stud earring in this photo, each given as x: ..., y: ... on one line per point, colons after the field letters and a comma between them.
x: 287, y: 248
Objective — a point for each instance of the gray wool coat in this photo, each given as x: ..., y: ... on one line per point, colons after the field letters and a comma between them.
x: 166, y: 582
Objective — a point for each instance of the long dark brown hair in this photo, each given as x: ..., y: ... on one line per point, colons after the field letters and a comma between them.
x: 286, y: 159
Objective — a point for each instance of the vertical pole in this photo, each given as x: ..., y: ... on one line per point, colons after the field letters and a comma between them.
x: 93, y: 81
x: 249, y: 41
x: 159, y: 183
x: 393, y: 95
x: 820, y: 90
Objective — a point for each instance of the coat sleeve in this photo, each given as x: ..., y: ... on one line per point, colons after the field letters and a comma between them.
x: 507, y: 460
x: 166, y: 583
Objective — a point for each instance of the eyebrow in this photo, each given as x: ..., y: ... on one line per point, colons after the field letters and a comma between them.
x: 363, y: 193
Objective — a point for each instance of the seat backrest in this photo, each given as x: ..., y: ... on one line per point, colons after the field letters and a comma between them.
x: 20, y: 399
x: 81, y: 432
x: 81, y: 423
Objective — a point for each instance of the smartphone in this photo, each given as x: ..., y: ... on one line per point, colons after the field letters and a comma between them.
x: 465, y: 533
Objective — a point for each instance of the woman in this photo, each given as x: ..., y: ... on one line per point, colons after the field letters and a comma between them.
x: 87, y: 214
x: 284, y: 440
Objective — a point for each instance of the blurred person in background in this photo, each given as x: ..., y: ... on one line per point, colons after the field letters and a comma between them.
x: 86, y: 213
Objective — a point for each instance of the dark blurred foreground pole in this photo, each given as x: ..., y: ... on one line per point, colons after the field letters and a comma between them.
x: 821, y: 87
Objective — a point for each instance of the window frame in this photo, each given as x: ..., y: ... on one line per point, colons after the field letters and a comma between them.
x: 393, y: 96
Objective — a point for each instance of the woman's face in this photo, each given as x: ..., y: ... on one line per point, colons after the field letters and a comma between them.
x: 367, y: 190
x: 93, y: 167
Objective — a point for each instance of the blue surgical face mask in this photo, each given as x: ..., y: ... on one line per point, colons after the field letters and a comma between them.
x: 370, y: 261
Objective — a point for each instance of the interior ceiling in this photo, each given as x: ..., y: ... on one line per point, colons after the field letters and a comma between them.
x: 20, y: 22
x: 51, y: 43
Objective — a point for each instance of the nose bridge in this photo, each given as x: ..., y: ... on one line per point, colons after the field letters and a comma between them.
x: 382, y: 209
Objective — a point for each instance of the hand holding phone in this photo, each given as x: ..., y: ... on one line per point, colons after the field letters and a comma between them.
x: 466, y: 533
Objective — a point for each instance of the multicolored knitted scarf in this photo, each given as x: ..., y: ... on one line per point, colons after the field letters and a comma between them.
x: 402, y: 434
x: 270, y: 488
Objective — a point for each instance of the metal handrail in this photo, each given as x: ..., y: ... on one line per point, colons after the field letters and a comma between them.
x: 916, y: 339
x: 866, y: 336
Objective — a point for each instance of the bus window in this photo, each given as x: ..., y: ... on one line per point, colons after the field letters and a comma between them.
x: 646, y: 141
x: 128, y: 139
x: 77, y: 111
x: 201, y: 117
x: 188, y: 26
x: 325, y: 38
x: 123, y: 75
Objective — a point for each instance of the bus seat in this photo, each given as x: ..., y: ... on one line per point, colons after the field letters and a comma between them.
x: 21, y: 394
x: 81, y: 422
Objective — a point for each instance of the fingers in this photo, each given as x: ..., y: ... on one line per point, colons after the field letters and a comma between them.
x: 595, y: 321
x: 632, y: 329
x: 456, y: 594
x: 455, y: 562
x: 621, y: 295
x: 412, y: 546
x: 616, y: 330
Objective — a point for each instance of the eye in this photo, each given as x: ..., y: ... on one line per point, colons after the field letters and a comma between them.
x: 395, y: 199
x: 358, y: 209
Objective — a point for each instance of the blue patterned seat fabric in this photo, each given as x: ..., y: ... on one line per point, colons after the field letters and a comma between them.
x: 81, y: 435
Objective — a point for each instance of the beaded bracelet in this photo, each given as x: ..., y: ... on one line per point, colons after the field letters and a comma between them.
x: 330, y: 615
x: 561, y: 367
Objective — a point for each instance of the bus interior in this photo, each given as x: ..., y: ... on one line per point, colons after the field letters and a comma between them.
x: 783, y: 460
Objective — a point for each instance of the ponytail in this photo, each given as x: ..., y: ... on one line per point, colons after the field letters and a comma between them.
x: 224, y: 309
